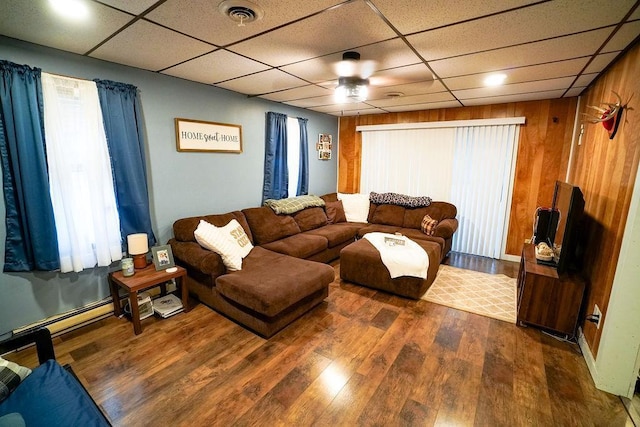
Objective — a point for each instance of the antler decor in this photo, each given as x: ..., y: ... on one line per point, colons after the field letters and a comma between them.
x: 609, y: 117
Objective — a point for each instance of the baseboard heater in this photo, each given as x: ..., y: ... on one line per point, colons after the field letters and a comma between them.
x: 73, y: 319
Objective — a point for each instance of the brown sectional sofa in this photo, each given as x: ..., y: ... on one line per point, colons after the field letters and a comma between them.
x: 285, y: 275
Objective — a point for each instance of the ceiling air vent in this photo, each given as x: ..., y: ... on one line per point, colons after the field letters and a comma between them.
x: 241, y: 11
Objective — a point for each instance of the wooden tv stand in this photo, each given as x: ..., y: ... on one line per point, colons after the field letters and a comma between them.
x: 545, y: 299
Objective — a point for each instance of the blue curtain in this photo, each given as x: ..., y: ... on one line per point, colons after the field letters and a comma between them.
x: 123, y: 125
x: 276, y: 177
x: 303, y: 172
x: 31, y: 241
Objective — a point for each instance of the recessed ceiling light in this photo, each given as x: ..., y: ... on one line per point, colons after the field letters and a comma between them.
x: 495, y: 79
x: 74, y: 9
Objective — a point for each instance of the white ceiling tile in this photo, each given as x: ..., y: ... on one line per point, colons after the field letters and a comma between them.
x: 416, y: 15
x: 426, y: 106
x: 514, y: 89
x: 547, y: 20
x: 135, y: 7
x: 514, y: 98
x: 207, y: 69
x: 574, y: 91
x: 139, y: 44
x: 411, y: 99
x: 263, y: 82
x: 419, y: 88
x: 402, y: 75
x: 623, y: 37
x: 600, y: 62
x: 336, y: 29
x: 35, y: 21
x: 201, y: 19
x: 584, y: 80
x: 308, y: 91
x: 558, y: 49
x: 316, y: 101
x: 523, y: 74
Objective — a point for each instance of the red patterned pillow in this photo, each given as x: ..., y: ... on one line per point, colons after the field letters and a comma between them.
x: 428, y: 225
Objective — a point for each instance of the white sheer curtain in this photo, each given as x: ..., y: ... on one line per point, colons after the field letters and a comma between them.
x: 416, y: 162
x: 481, y: 187
x: 293, y: 154
x: 470, y: 166
x: 80, y: 178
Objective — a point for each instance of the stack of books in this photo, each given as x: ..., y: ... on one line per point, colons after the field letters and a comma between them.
x: 167, y: 306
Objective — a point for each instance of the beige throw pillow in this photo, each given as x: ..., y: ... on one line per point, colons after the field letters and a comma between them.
x: 356, y: 206
x: 230, y: 242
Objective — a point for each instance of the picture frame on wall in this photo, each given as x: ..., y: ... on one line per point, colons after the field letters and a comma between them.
x: 162, y: 257
x: 201, y: 136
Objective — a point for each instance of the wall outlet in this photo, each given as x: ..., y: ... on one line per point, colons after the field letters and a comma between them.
x: 597, y: 314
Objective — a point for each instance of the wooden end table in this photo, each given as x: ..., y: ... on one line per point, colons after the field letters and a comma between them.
x: 143, y: 279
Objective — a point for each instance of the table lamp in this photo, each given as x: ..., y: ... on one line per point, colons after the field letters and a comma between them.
x: 138, y: 247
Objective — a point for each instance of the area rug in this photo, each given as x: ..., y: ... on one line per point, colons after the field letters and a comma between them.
x: 491, y: 295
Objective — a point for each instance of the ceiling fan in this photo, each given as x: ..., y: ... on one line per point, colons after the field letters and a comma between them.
x: 353, y: 78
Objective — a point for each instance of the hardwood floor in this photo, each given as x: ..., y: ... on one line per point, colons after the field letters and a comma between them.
x: 361, y: 358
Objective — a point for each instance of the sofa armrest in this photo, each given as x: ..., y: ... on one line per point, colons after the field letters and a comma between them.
x: 446, y: 228
x: 194, y: 256
x: 41, y: 337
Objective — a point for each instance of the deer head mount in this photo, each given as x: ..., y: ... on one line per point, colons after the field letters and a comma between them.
x: 609, y: 116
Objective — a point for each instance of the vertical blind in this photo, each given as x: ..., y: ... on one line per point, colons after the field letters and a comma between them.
x: 470, y: 166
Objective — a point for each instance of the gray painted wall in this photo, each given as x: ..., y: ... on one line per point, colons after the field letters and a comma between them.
x: 180, y: 184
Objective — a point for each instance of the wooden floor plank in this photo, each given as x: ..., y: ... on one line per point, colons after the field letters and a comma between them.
x: 362, y: 357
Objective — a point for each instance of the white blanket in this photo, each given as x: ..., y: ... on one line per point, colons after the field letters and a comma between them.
x: 401, y: 260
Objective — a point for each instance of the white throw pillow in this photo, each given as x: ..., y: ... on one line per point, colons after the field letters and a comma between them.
x: 218, y: 240
x: 236, y: 234
x: 356, y: 206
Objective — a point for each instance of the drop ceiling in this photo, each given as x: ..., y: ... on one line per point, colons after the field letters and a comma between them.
x: 434, y: 53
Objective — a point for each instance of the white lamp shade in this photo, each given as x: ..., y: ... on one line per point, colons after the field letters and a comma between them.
x: 137, y: 243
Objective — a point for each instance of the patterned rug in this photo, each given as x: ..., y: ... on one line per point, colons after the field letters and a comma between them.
x: 491, y: 295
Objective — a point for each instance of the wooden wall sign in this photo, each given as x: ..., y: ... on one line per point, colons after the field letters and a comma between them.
x: 196, y: 135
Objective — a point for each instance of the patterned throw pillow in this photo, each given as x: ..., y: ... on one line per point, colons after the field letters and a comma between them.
x: 429, y: 225
x: 11, y: 375
x: 230, y: 242
x: 399, y: 199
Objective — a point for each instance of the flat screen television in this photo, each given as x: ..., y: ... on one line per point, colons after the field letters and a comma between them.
x: 568, y: 201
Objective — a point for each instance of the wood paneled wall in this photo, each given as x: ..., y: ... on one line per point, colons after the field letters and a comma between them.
x: 606, y: 171
x: 543, y: 152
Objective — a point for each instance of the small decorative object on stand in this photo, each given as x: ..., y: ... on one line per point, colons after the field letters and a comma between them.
x: 127, y: 267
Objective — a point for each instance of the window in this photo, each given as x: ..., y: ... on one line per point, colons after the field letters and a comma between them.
x: 80, y: 176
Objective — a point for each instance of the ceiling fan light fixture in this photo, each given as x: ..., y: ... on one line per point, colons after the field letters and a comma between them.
x: 351, y: 89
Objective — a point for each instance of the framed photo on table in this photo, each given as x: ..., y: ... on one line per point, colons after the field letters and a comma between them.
x: 162, y: 257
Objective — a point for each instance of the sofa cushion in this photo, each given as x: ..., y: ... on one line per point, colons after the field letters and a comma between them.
x: 335, y: 212
x: 273, y: 282
x: 356, y: 206
x: 217, y: 240
x: 11, y: 375
x: 336, y: 234
x: 300, y: 245
x: 51, y: 397
x: 382, y: 228
x: 310, y: 218
x: 437, y: 210
x: 183, y: 228
x: 388, y: 215
x: 267, y: 227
